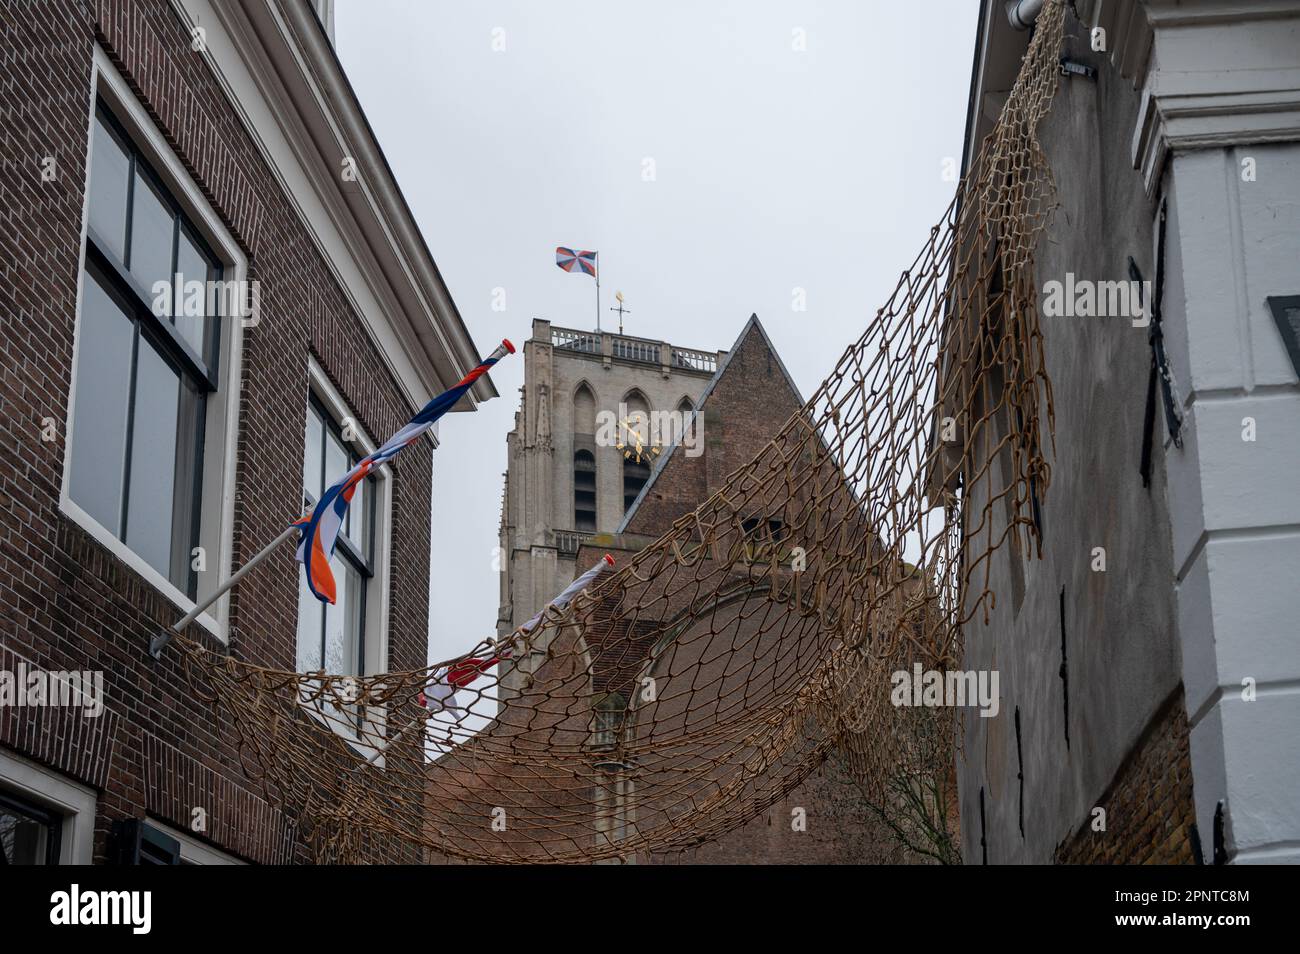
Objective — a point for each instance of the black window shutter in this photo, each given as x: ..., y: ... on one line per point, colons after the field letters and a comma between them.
x: 139, y: 843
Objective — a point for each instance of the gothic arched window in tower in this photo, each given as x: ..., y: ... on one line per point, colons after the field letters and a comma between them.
x: 584, y: 411
x: 636, y: 445
x: 686, y: 422
x: 607, y: 720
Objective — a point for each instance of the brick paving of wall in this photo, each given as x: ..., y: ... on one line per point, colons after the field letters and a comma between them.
x: 1150, y: 814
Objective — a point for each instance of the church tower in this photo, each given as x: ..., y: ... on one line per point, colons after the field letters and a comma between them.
x: 574, y: 465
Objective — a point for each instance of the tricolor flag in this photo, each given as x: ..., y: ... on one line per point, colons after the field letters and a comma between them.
x: 320, y: 528
x: 441, y: 693
x: 573, y: 260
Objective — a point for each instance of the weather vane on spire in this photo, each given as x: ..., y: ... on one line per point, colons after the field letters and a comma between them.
x: 618, y: 296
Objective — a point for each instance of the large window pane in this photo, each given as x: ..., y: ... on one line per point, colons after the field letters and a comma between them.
x: 191, y: 303
x: 25, y: 836
x: 356, y: 624
x: 153, y: 459
x: 359, y: 518
x: 152, y: 229
x: 311, y: 617
x: 342, y: 632
x: 109, y: 175
x: 311, y: 455
x: 189, y: 484
x: 342, y: 620
x: 337, y: 460
x: 99, y: 418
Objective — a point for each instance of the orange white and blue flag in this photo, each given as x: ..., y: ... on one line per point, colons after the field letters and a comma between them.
x: 320, y: 528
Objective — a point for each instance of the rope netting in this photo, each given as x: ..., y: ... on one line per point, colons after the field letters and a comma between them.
x: 689, y: 689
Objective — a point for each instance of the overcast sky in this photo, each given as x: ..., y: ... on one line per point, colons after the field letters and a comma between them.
x: 775, y: 168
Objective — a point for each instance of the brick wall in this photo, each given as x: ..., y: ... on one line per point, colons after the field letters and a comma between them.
x: 1150, y: 815
x: 747, y: 406
x: 749, y: 403
x: 67, y: 603
x: 837, y: 828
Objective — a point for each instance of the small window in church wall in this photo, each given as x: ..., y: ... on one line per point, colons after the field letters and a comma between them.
x: 686, y: 412
x: 607, y: 721
x: 584, y: 491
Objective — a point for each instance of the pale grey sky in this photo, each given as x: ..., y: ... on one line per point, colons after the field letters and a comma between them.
x: 775, y: 168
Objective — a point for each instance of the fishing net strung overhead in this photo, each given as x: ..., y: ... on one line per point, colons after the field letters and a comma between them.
x: 690, y: 688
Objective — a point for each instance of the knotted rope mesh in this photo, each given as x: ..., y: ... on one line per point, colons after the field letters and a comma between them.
x: 690, y: 689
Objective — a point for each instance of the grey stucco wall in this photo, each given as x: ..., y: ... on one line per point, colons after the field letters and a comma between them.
x: 1120, y: 624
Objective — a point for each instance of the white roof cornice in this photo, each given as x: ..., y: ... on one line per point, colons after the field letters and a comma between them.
x: 1212, y: 73
x: 1220, y: 74
x: 277, y: 66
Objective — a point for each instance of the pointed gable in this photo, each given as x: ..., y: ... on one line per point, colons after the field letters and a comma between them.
x: 741, y: 409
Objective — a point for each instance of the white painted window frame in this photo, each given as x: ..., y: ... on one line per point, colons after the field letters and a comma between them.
x: 221, y: 428
x: 75, y: 802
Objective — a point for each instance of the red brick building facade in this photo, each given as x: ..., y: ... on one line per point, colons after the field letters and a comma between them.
x: 235, y: 129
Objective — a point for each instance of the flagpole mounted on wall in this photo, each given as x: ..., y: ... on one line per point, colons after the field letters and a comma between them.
x: 319, y: 530
x: 159, y: 642
x: 597, y: 291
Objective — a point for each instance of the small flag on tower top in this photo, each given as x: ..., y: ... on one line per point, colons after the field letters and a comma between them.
x: 575, y: 260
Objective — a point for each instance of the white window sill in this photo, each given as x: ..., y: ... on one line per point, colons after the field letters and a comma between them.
x: 151, y: 576
x: 376, y: 722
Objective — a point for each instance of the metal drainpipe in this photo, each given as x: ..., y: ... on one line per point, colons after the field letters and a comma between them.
x: 1023, y: 13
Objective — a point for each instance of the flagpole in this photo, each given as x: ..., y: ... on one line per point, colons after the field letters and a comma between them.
x: 425, y: 419
x: 523, y: 630
x: 380, y: 750
x: 598, y: 291
x: 159, y: 642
